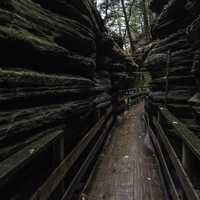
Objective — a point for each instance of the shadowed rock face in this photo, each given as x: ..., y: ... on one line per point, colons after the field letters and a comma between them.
x: 175, y: 50
x: 59, y: 72
x: 58, y: 64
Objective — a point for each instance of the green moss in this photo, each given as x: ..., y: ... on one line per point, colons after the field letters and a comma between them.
x: 9, y: 33
x: 21, y: 77
x: 34, y: 78
x: 188, y: 137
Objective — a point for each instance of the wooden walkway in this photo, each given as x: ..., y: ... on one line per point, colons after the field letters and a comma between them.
x: 126, y: 169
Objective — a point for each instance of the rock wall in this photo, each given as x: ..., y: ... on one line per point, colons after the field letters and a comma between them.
x: 59, y: 72
x: 58, y: 66
x: 173, y: 58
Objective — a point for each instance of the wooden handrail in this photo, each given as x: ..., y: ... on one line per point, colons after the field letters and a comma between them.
x: 182, y: 175
x: 163, y: 163
x: 11, y: 166
x: 44, y: 192
x: 189, y: 138
x: 176, y: 165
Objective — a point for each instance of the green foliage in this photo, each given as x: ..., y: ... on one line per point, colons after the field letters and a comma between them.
x: 111, y: 11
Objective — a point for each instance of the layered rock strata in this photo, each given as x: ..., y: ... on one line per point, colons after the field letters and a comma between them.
x: 59, y: 70
x: 173, y: 59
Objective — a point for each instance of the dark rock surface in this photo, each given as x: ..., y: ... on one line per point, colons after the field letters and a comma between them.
x: 173, y: 59
x: 59, y: 67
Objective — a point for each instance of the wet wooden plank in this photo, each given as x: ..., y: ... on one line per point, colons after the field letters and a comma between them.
x: 165, y: 171
x: 127, y: 169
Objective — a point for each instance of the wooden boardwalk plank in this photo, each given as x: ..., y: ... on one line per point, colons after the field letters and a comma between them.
x: 127, y: 170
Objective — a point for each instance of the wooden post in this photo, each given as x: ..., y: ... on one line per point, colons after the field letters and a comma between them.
x: 191, y: 165
x: 62, y: 156
x: 58, y: 156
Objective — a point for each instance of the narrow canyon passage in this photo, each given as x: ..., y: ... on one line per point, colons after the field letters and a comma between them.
x: 127, y: 170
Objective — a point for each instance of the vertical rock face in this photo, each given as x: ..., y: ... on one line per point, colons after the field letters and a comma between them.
x: 174, y: 58
x: 58, y: 67
x: 59, y: 72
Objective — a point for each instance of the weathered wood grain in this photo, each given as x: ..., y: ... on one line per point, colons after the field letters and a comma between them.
x: 126, y: 169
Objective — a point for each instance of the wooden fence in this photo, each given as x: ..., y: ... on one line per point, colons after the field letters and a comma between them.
x: 178, y: 152
x: 133, y: 95
x: 65, y: 173
x: 44, y: 170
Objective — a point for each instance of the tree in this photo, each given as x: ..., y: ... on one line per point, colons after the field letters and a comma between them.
x: 145, y: 19
x: 130, y: 19
x: 95, y: 2
x: 128, y: 28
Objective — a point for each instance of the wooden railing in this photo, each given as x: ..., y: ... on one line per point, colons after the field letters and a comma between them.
x: 45, y: 167
x: 133, y: 95
x: 57, y: 176
x: 67, y: 174
x: 178, y: 152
